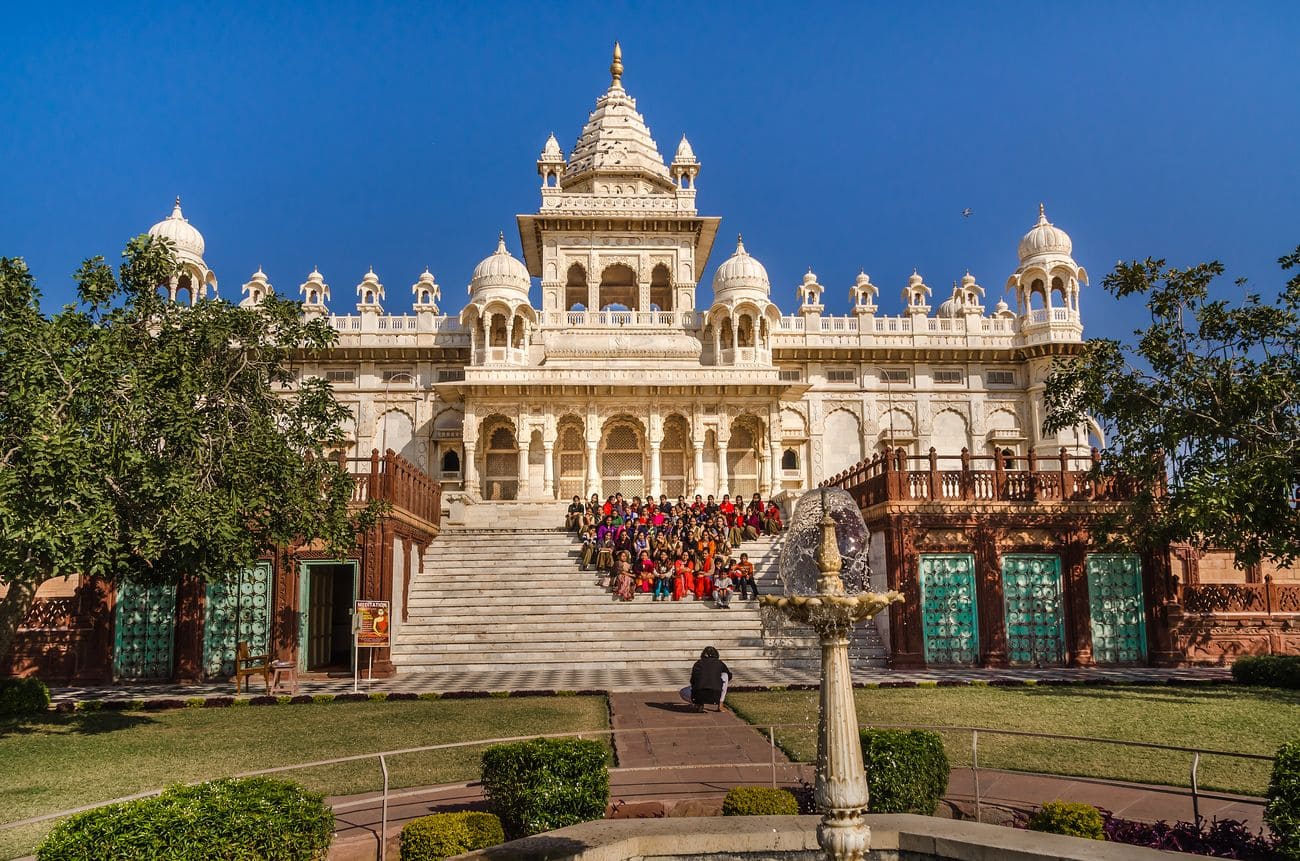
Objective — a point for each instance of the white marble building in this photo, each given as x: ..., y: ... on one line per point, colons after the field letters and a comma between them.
x: 629, y: 378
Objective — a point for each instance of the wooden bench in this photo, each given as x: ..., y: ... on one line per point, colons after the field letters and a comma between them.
x: 248, y: 666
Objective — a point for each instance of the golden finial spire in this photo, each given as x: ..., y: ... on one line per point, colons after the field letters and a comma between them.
x: 616, y: 67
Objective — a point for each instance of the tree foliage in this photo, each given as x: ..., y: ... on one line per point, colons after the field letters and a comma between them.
x: 1201, y: 413
x: 144, y: 441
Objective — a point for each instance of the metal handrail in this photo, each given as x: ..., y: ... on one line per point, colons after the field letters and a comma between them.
x: 770, y: 728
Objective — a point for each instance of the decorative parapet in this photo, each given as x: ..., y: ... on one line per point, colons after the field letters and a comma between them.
x: 558, y: 201
x: 1269, y: 598
x: 393, y: 479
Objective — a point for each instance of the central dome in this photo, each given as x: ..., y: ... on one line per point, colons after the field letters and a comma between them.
x: 500, y: 271
x: 741, y: 272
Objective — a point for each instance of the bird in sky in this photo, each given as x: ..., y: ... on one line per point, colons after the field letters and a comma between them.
x: 967, y: 212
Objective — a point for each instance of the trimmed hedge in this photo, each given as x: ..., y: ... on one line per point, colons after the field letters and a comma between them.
x: 907, y: 770
x: 1283, y: 810
x: 23, y: 697
x: 1070, y: 818
x: 759, y: 801
x: 255, y: 817
x: 443, y: 835
x: 544, y: 784
x: 1275, y: 671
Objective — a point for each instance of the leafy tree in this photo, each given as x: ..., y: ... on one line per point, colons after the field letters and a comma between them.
x: 1201, y: 413
x: 145, y: 441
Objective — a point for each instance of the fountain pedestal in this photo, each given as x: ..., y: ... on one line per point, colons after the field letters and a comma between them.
x: 841, y: 788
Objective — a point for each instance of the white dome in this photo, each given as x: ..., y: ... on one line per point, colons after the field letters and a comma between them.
x: 500, y: 269
x: 182, y: 234
x: 1045, y: 238
x: 949, y: 308
x: 740, y: 272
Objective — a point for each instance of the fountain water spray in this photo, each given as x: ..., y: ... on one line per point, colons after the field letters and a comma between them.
x: 832, y: 610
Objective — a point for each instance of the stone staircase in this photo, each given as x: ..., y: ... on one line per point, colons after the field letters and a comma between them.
x: 513, y: 598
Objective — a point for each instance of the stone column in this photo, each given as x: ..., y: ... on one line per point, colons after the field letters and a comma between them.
x: 778, y: 484
x: 593, y: 469
x: 656, y: 484
x: 471, y: 470
x: 548, y: 470
x: 764, y: 474
x: 724, y: 480
x: 699, y: 467
x: 521, y: 485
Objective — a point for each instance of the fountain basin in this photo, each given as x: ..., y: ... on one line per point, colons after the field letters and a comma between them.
x: 898, y: 837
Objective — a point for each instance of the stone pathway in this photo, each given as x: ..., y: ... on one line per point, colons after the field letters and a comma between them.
x: 651, y: 679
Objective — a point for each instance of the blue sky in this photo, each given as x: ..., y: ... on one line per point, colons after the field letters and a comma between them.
x: 833, y: 136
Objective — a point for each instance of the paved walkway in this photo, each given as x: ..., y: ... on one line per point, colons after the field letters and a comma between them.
x: 674, y: 761
x: 651, y: 679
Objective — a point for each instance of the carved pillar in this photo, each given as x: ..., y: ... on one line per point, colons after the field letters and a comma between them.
x: 1162, y: 599
x: 521, y: 484
x: 593, y: 469
x: 95, y: 661
x: 1078, y: 608
x: 189, y: 632
x: 471, y: 470
x: 906, y: 647
x: 656, y: 483
x: 699, y: 467
x: 778, y: 484
x: 990, y: 603
x: 548, y: 470
x: 724, y: 480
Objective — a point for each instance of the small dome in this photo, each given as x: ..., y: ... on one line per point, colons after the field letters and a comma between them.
x: 500, y: 269
x: 370, y: 291
x: 685, y: 155
x: 1045, y: 238
x: 810, y: 277
x: 968, y: 281
x: 552, y: 151
x: 740, y: 272
x: 949, y: 308
x: 182, y: 234
x: 915, y: 279
x: 863, y: 279
x: 1002, y: 309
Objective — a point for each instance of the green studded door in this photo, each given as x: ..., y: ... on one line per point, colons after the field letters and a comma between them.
x: 1119, y: 631
x: 948, y: 608
x: 144, y: 629
x: 1031, y: 588
x: 236, y: 612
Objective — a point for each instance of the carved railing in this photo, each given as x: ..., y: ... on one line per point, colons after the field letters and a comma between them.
x: 393, y: 479
x: 895, y: 476
x: 1268, y: 598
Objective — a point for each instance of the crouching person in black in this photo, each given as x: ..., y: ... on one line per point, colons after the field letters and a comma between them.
x: 710, y: 678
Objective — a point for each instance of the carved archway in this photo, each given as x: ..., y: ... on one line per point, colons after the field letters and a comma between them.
x: 500, y: 460
x: 571, y: 458
x: 623, y: 458
x: 675, y: 457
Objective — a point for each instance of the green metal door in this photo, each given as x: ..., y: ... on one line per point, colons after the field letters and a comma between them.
x: 948, y: 616
x: 1031, y: 588
x: 1119, y: 631
x: 236, y: 612
x: 144, y: 631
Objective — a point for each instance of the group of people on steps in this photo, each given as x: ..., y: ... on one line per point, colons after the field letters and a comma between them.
x: 672, y: 550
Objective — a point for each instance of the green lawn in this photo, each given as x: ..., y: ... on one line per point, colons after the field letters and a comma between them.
x: 66, y: 760
x: 1230, y: 718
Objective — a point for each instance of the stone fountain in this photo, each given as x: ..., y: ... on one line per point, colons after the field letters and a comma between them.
x: 825, y: 574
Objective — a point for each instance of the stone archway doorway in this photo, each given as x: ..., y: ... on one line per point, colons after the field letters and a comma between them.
x: 622, y: 460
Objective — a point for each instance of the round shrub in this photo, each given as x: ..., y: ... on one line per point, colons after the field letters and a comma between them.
x: 443, y: 835
x: 255, y: 817
x: 1282, y: 812
x: 1070, y: 818
x: 759, y: 801
x: 544, y: 784
x: 907, y: 770
x: 1277, y: 671
x: 23, y: 697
